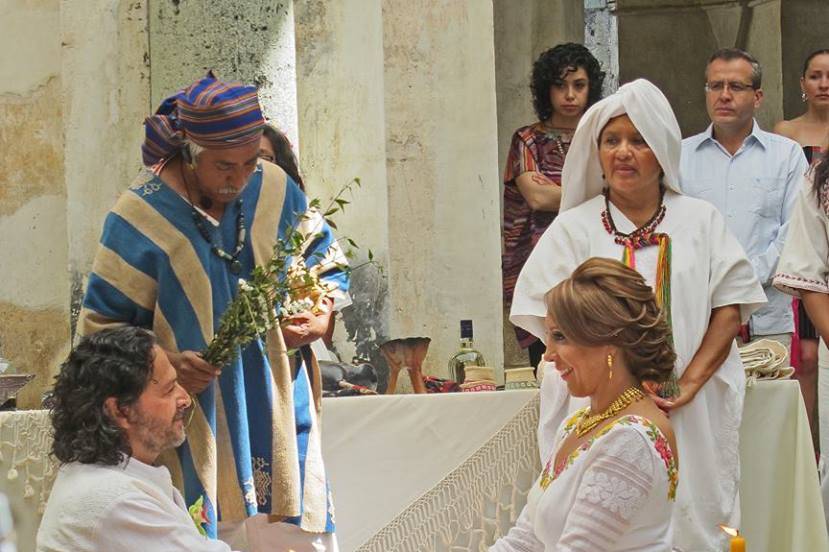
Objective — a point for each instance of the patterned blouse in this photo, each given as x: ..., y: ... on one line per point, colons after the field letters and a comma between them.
x: 539, y: 149
x: 657, y: 438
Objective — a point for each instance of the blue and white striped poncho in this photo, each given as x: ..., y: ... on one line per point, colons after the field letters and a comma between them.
x: 254, y: 442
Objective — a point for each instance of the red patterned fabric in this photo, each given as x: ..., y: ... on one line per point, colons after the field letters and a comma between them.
x: 536, y: 149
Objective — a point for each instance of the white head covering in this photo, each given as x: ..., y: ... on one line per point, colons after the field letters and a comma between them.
x: 652, y: 116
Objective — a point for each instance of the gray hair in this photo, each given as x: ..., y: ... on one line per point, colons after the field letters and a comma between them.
x: 728, y: 54
x: 192, y: 151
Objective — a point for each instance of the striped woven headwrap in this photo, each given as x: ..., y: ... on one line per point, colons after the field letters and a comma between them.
x: 211, y: 113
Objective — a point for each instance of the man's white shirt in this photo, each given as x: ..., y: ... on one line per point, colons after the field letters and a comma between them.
x: 755, y: 190
x: 131, y: 507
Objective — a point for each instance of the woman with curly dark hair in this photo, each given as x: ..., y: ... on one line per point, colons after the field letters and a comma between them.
x: 566, y: 80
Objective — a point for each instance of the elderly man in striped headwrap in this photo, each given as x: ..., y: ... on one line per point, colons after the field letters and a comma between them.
x: 200, y: 216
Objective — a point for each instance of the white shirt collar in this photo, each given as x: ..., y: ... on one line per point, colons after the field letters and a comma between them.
x: 757, y: 134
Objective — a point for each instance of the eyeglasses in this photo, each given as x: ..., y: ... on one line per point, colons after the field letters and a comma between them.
x: 735, y: 87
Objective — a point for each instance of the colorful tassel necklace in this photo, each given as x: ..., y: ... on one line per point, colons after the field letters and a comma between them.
x: 644, y: 236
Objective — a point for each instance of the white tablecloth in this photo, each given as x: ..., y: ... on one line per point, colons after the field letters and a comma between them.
x: 779, y: 489
x: 780, y: 496
x: 451, y: 472
x: 429, y: 472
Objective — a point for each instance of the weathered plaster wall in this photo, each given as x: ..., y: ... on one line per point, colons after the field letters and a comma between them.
x: 601, y: 36
x: 764, y: 41
x: 34, y: 307
x: 106, y: 94
x: 669, y: 42
x: 339, y: 51
x: 71, y: 105
x: 250, y: 41
x: 442, y: 170
x: 524, y: 29
x: 804, y: 25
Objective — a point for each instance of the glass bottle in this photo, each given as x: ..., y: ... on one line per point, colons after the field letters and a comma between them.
x: 466, y: 356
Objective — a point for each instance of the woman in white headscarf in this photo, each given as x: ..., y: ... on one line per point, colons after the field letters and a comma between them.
x: 621, y: 200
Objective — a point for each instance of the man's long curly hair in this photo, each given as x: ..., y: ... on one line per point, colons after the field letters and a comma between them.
x: 606, y: 303
x: 111, y: 363
x: 554, y: 65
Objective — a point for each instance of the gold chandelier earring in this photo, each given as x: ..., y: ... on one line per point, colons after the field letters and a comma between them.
x: 609, y: 367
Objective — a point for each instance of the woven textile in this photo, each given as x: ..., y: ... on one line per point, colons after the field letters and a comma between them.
x: 212, y: 113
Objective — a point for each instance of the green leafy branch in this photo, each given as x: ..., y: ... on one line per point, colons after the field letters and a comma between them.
x: 276, y: 289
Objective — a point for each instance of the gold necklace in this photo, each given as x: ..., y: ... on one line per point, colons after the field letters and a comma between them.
x: 589, y: 421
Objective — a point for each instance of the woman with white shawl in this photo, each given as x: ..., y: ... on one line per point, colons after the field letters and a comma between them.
x: 700, y: 275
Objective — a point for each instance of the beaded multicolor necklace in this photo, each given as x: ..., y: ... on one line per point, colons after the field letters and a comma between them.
x: 645, y: 236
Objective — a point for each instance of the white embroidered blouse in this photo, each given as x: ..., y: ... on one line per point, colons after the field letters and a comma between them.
x: 613, y: 493
x: 804, y: 263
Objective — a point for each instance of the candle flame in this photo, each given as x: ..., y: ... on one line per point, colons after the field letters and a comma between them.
x: 730, y: 530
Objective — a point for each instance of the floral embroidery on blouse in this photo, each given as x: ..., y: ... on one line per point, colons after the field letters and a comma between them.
x: 660, y: 443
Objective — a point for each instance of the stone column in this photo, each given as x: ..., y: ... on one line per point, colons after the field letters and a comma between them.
x: 34, y: 306
x: 252, y: 42
x: 442, y: 170
x: 340, y: 93
x: 601, y: 37
x: 106, y: 93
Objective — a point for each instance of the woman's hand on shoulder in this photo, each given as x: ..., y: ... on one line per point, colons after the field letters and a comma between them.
x: 687, y: 392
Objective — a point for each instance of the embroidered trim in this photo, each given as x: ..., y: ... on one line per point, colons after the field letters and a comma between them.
x: 799, y: 283
x: 262, y: 480
x: 660, y: 443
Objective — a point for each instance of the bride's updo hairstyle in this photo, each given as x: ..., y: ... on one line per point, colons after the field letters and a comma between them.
x: 606, y: 303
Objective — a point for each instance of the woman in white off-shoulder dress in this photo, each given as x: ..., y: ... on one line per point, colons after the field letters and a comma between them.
x: 610, y: 479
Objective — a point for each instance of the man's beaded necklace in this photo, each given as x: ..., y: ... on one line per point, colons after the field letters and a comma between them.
x: 231, y: 258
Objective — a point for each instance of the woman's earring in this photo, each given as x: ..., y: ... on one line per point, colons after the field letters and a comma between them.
x: 609, y: 367
x: 804, y: 97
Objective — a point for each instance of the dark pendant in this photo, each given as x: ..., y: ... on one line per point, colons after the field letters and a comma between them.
x: 236, y: 267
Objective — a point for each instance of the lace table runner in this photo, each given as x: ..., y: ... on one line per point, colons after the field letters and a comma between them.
x: 26, y: 469
x: 476, y: 503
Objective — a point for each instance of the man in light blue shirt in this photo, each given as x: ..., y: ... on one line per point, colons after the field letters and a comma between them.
x: 750, y: 175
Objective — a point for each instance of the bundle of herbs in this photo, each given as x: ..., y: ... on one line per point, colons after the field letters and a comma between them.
x: 284, y: 286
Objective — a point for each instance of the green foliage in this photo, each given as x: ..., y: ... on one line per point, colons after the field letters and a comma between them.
x: 282, y: 285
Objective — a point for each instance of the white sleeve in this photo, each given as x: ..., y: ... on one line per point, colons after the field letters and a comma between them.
x: 553, y: 259
x: 521, y: 538
x: 612, y: 491
x: 804, y: 264
x: 137, y: 523
x: 732, y: 280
